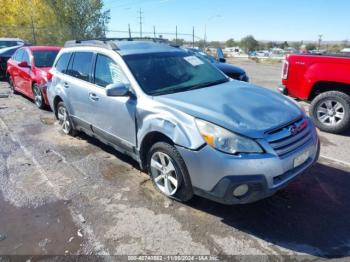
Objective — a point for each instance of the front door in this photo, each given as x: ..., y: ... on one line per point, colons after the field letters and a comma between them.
x: 112, y: 117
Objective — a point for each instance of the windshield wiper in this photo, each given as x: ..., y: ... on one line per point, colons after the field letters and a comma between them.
x: 188, y: 88
x: 208, y: 84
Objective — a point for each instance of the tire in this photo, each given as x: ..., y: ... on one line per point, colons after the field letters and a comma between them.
x: 64, y: 120
x: 38, y: 97
x: 174, y: 167
x: 331, y: 112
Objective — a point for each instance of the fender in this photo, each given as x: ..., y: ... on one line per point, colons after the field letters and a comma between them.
x: 327, y: 72
x: 176, y: 125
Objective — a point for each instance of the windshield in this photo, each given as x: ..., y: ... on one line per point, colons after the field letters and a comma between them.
x: 4, y: 44
x: 165, y: 73
x: 44, y: 58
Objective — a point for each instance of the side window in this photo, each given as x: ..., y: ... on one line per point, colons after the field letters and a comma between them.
x: 107, y: 72
x: 81, y: 66
x: 18, y: 55
x: 26, y: 57
x: 62, y: 63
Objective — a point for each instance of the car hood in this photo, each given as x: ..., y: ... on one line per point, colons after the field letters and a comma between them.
x: 242, y: 108
x: 227, y: 68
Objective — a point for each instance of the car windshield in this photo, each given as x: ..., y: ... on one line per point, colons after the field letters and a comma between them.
x: 4, y: 44
x: 44, y: 58
x: 172, y: 72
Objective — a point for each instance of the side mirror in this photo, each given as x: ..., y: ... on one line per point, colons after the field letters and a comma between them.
x: 23, y: 64
x: 222, y: 60
x: 118, y: 89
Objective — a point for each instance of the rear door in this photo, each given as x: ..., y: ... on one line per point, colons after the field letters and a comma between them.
x: 77, y: 87
x: 112, y: 117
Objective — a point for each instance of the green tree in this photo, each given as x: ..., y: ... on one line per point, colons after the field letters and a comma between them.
x: 311, y: 46
x: 231, y: 43
x: 249, y: 43
x: 284, y: 45
x: 81, y: 19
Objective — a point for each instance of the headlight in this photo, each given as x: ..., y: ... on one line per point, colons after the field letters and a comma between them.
x: 226, y: 141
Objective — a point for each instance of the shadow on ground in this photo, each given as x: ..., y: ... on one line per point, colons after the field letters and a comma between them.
x: 311, y: 216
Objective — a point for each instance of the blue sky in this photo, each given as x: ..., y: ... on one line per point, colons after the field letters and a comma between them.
x: 279, y: 20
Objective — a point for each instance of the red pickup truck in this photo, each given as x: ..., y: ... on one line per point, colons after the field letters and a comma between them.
x: 325, y: 82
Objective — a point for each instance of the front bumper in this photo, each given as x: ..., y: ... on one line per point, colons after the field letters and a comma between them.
x: 283, y: 90
x: 215, y: 175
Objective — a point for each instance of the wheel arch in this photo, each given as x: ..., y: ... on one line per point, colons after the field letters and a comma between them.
x: 56, y: 100
x: 326, y: 86
x: 148, y: 141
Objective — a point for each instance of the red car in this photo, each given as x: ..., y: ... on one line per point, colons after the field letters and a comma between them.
x: 324, y: 81
x: 28, y: 71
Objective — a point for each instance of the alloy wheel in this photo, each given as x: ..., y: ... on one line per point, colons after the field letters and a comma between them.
x: 164, y: 173
x: 38, y: 98
x: 330, y: 112
x: 63, y: 119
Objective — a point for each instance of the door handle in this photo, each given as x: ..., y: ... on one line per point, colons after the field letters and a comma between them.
x: 66, y: 85
x: 93, y: 97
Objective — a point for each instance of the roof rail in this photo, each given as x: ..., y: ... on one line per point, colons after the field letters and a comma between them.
x: 104, y: 43
x: 153, y: 39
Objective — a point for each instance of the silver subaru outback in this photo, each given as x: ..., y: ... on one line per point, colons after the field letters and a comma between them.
x: 193, y: 129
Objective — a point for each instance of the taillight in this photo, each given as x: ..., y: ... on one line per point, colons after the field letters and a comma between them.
x: 285, y: 70
x: 49, y: 75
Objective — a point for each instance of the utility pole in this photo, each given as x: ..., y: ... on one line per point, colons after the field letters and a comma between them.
x: 32, y: 22
x: 319, y: 42
x: 129, y: 32
x: 140, y: 17
x: 193, y: 38
x: 154, y: 32
x: 176, y: 36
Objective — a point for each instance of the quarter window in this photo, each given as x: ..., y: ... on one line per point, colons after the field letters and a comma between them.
x: 18, y: 55
x: 62, y: 63
x: 81, y: 67
x: 26, y: 57
x: 107, y: 72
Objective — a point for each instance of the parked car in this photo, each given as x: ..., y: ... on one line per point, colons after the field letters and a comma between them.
x: 8, y: 46
x: 325, y: 82
x: 28, y: 71
x: 194, y: 129
x: 232, y: 71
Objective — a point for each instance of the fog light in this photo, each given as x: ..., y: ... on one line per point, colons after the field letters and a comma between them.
x: 241, y: 190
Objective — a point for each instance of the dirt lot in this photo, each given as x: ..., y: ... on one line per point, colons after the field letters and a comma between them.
x: 62, y: 195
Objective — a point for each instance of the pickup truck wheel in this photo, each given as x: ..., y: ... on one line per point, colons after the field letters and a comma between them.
x: 331, y: 112
x: 168, y: 172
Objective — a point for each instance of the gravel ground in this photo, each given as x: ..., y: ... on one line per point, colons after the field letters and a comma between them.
x: 61, y: 195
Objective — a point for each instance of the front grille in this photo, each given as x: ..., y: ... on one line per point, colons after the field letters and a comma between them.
x: 289, y: 138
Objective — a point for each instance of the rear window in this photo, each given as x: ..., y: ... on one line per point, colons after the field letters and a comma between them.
x: 44, y: 58
x: 5, y: 44
x: 62, y: 62
x: 81, y: 67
